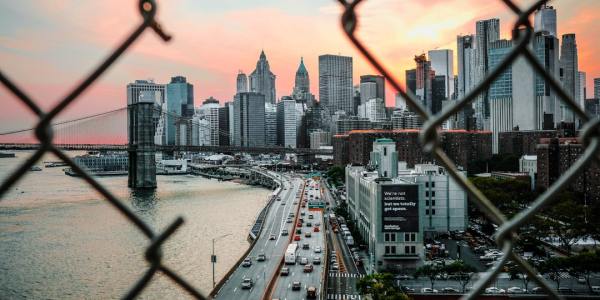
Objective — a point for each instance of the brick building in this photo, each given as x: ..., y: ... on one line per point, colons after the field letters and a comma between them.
x: 521, y: 143
x: 556, y: 156
x: 461, y: 146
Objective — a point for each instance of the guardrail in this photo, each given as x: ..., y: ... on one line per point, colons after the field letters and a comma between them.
x: 225, y: 278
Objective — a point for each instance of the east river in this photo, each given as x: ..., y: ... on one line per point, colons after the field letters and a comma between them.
x: 60, y: 240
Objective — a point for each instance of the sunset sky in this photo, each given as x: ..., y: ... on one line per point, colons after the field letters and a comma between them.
x: 47, y: 46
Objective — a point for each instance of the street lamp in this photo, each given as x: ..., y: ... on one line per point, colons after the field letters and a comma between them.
x: 213, y: 257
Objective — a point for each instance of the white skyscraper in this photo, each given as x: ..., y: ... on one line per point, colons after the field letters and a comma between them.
x: 442, y: 62
x: 487, y: 31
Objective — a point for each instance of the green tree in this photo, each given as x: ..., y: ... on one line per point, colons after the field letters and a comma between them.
x: 430, y: 272
x: 336, y: 175
x: 565, y: 219
x: 584, y: 265
x: 461, y: 271
x: 516, y: 271
x: 553, y: 267
x: 380, y: 286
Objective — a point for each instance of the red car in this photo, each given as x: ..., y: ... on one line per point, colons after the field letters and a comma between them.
x: 316, y: 229
x: 299, y: 224
x: 296, y: 238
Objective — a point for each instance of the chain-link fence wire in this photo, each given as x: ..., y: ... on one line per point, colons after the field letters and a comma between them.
x: 44, y: 134
x: 506, y: 234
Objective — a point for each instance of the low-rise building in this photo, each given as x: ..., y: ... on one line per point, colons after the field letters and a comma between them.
x: 395, y: 208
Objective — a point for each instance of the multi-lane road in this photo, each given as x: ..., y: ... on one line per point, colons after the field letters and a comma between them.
x: 261, y: 272
x: 308, y: 222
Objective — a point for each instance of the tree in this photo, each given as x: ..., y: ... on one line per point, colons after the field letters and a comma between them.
x: 429, y: 271
x: 517, y: 271
x: 336, y: 174
x: 565, y: 219
x: 553, y: 267
x: 584, y: 265
x: 461, y: 271
x: 380, y: 286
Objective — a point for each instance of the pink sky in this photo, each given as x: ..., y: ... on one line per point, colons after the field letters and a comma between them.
x: 47, y: 46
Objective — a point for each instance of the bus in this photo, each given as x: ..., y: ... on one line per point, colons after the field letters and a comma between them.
x: 290, y: 254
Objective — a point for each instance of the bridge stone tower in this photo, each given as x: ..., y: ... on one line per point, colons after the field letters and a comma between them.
x: 140, y: 124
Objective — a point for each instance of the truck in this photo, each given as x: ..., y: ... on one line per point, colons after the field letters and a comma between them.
x: 290, y: 254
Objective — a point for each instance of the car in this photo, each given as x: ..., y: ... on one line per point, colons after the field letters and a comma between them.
x: 335, y: 266
x: 247, y: 283
x: 303, y: 204
x: 316, y: 260
x: 307, y: 234
x: 316, y: 229
x: 247, y: 262
x: 272, y: 237
x: 284, y: 232
x: 407, y: 289
x: 302, y: 213
x: 310, y: 216
x: 291, y: 215
x: 308, y: 224
x: 317, y: 249
x: 282, y: 202
x: 296, y: 286
x: 318, y: 224
x: 296, y: 238
x: 428, y: 290
x: 298, y: 231
x: 538, y: 290
x: 299, y: 224
x: 261, y: 257
x: 403, y: 277
x: 284, y: 271
x: 494, y: 290
x: 450, y: 290
x: 516, y: 290
x: 581, y: 280
x: 311, y: 292
x: 595, y: 289
x: 278, y: 199
x: 303, y: 261
x: 308, y: 268
x: 306, y: 246
x: 333, y: 252
x: 295, y: 202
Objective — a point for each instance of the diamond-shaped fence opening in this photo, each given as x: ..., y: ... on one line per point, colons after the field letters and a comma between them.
x: 506, y: 234
x: 44, y: 135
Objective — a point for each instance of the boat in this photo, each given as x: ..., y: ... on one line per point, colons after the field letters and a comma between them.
x: 35, y: 168
x: 7, y: 154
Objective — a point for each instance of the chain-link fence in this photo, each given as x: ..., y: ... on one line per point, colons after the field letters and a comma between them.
x: 44, y: 134
x: 506, y: 234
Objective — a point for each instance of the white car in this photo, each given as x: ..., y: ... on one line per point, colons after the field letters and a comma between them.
x: 516, y: 290
x: 494, y: 290
x: 317, y: 249
x: 428, y: 290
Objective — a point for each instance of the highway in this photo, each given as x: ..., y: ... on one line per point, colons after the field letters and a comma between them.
x: 309, y: 221
x: 341, y: 284
x: 261, y: 272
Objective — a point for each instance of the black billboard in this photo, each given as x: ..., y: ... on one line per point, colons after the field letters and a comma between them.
x: 400, y: 208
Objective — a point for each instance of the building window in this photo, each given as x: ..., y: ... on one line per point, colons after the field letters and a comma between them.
x: 432, y: 193
x: 390, y: 249
x: 427, y: 184
x: 426, y: 202
x: 407, y: 249
x: 384, y: 151
x: 433, y: 211
x: 433, y: 184
x: 427, y: 212
x: 410, y: 237
x: 426, y: 193
x: 433, y: 202
x: 389, y: 237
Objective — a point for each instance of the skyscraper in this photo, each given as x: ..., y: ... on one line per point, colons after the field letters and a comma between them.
x: 424, y: 76
x: 335, y: 83
x: 570, y: 73
x: 597, y: 88
x: 368, y: 90
x: 242, y: 83
x: 249, y: 119
x: 545, y: 20
x: 442, y: 62
x: 301, y: 92
x: 262, y: 80
x: 500, y: 93
x: 146, y: 88
x: 486, y: 31
x: 270, y: 124
x: 379, y: 82
x: 180, y: 104
x: 287, y: 122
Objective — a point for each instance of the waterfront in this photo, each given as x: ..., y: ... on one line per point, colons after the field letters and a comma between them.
x: 60, y: 240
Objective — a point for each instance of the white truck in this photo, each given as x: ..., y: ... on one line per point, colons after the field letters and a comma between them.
x: 290, y: 254
x: 350, y: 240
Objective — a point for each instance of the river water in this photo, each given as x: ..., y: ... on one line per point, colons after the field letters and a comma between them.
x: 60, y: 240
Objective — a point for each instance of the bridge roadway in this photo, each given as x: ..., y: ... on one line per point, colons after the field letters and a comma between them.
x: 261, y: 272
x: 172, y: 148
x: 283, y: 285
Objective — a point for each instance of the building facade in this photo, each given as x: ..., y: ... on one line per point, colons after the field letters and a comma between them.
x: 249, y: 119
x: 335, y: 83
x: 262, y: 80
x: 570, y: 74
x: 180, y: 104
x: 442, y: 62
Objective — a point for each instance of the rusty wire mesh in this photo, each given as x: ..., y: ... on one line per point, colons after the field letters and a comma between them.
x: 44, y: 134
x: 506, y: 234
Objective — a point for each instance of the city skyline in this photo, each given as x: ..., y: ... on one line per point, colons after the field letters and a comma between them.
x: 30, y: 47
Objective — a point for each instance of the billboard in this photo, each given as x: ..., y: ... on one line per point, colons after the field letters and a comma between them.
x: 400, y: 208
